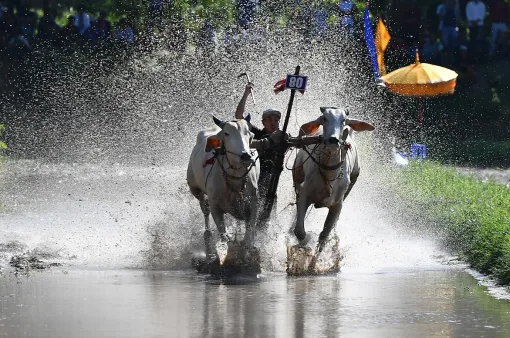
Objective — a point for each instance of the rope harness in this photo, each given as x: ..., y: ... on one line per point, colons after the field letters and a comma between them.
x: 344, y: 147
x: 226, y: 176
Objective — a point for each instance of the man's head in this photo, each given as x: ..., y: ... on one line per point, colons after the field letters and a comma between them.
x: 271, y: 120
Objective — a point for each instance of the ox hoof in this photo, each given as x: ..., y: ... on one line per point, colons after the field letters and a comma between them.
x: 304, y: 241
x: 205, y: 263
x: 301, y: 235
x: 225, y: 238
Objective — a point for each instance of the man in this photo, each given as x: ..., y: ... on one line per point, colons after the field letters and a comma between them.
x: 82, y: 20
x: 475, y: 15
x: 346, y: 11
x: 269, y: 137
x: 498, y: 15
x: 449, y: 15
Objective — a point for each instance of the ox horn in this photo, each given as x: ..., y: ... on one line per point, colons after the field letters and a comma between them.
x: 218, y: 122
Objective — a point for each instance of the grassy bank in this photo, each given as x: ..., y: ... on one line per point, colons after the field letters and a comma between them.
x: 474, y: 215
x: 2, y: 144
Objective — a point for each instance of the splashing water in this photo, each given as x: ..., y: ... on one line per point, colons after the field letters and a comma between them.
x: 97, y: 169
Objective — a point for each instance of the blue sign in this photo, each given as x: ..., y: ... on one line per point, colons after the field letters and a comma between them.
x: 296, y: 82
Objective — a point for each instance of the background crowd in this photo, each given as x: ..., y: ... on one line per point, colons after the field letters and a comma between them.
x: 454, y: 33
x: 22, y: 31
x: 449, y: 32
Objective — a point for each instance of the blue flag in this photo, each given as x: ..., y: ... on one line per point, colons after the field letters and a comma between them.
x: 369, y: 39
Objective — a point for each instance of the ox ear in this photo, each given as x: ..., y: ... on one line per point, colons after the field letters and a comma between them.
x: 310, y: 127
x: 358, y: 125
x: 218, y: 122
x: 213, y: 142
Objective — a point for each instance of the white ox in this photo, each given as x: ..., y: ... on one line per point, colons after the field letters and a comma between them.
x: 225, y: 182
x: 324, y: 174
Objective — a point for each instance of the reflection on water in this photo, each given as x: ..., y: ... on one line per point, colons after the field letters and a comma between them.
x: 437, y: 303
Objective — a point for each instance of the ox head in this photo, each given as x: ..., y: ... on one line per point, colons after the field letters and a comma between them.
x: 333, y: 121
x: 235, y: 137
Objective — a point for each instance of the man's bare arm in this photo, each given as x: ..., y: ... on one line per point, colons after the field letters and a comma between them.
x: 242, y: 104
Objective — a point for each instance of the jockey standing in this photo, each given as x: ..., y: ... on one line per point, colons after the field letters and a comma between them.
x: 269, y: 137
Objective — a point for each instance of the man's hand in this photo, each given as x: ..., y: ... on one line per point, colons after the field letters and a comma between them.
x: 276, y: 141
x: 248, y: 88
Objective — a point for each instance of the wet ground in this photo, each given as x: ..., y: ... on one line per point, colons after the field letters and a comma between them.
x: 120, y: 241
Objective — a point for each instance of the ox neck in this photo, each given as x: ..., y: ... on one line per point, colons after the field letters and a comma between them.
x: 235, y: 178
x: 332, y: 159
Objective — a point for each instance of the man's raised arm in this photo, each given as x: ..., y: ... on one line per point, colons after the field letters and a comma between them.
x: 242, y: 104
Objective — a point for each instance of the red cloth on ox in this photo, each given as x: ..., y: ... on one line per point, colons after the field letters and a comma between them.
x: 209, y: 162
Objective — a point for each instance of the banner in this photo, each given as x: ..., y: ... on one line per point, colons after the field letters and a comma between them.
x: 369, y: 39
x: 382, y: 38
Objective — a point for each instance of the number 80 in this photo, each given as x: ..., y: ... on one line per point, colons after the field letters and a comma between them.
x: 295, y: 82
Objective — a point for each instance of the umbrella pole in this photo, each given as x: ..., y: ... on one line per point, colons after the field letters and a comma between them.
x: 420, y: 119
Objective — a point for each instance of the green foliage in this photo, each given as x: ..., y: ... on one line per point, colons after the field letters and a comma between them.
x: 476, y: 214
x: 2, y: 144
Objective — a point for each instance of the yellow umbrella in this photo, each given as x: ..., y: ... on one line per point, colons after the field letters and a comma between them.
x: 421, y: 79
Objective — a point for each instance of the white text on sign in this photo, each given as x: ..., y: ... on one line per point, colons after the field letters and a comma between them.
x: 296, y: 82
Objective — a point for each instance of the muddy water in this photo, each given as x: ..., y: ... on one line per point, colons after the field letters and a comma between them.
x: 109, y: 225
x: 421, y: 303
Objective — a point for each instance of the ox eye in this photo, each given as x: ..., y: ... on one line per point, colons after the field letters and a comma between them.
x: 227, y: 134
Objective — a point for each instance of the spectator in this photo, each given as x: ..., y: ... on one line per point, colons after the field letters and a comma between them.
x: 431, y: 49
x: 245, y: 13
x: 124, y: 33
x: 433, y: 19
x: 82, y: 20
x: 102, y: 26
x: 498, y: 15
x: 27, y: 21
x: 501, y: 46
x: 3, y: 9
x: 18, y: 46
x: 475, y: 15
x: 462, y: 48
x: 69, y: 34
x: 449, y: 15
x: 465, y: 66
x: 8, y: 26
x: 320, y: 16
x: 345, y: 12
x: 154, y: 16
x: 48, y: 28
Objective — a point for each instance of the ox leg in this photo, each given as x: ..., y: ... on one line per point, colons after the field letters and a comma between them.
x: 302, y: 207
x: 204, y: 205
x: 329, y: 224
x: 251, y: 224
x: 219, y: 219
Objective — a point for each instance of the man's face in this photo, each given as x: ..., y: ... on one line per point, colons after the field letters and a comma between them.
x: 271, y: 123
